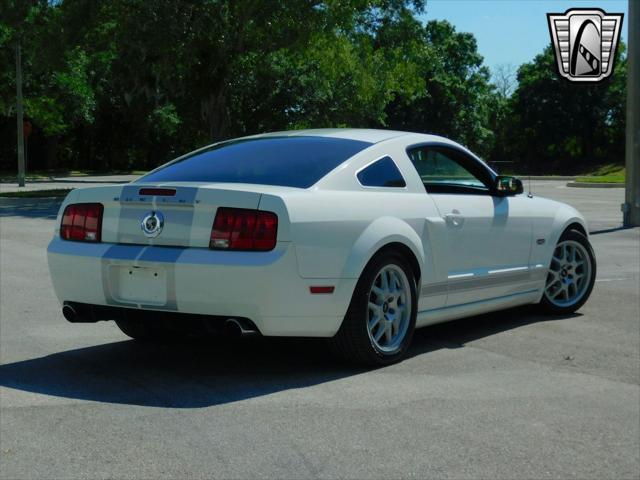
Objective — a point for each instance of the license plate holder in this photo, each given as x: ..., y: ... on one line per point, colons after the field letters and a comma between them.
x: 140, y: 285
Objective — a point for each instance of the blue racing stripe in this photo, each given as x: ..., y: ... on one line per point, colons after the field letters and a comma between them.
x: 180, y: 255
x: 83, y: 249
x: 123, y: 252
x: 161, y: 254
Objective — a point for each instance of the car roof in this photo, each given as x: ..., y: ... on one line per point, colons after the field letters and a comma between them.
x: 361, y: 134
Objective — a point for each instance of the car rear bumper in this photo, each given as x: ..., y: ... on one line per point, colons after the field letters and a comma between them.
x: 264, y: 287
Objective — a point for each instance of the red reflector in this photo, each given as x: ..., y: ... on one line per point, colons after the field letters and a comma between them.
x: 82, y: 222
x: 162, y: 192
x: 243, y: 229
x: 321, y: 289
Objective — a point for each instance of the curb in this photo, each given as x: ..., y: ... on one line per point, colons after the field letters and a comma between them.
x: 595, y: 185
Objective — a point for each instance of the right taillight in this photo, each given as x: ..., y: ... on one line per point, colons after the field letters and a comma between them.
x: 82, y: 222
x: 243, y: 229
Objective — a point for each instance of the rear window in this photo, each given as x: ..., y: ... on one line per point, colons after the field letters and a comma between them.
x: 285, y: 161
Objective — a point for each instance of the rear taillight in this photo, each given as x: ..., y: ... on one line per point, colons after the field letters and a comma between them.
x: 82, y: 222
x: 242, y: 229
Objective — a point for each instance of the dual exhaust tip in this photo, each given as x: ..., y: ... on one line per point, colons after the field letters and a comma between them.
x: 232, y: 327
x: 70, y: 314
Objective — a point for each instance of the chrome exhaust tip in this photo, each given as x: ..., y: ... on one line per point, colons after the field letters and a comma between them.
x: 234, y: 328
x: 70, y: 313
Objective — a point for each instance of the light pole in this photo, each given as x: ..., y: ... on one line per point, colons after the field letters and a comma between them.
x: 19, y: 114
x: 631, y: 207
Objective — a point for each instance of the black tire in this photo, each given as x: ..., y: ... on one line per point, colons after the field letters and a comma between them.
x: 546, y: 305
x: 143, y: 330
x: 352, y: 342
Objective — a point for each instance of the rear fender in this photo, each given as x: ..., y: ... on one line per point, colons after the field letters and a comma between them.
x: 375, y: 237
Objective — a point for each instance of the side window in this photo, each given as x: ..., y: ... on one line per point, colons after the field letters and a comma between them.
x: 382, y: 173
x: 445, y: 170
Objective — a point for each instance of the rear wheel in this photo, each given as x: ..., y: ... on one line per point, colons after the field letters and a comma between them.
x: 379, y: 324
x: 571, y: 275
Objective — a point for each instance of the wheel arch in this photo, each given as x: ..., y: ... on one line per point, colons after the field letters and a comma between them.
x: 406, y: 253
x: 566, y: 218
x: 376, y: 239
x: 566, y: 224
x: 576, y: 226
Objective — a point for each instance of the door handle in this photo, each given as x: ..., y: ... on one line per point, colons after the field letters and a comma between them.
x: 454, y: 219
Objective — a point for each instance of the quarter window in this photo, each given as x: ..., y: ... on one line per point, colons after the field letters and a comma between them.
x: 382, y: 173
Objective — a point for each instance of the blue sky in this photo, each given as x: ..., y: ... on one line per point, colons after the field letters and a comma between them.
x: 511, y: 31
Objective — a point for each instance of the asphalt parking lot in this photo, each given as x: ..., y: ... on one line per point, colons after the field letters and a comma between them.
x: 507, y: 395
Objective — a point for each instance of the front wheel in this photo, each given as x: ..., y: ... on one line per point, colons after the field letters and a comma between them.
x: 571, y: 275
x: 379, y: 324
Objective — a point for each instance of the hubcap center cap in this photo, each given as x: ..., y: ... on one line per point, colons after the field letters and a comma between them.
x: 385, y: 307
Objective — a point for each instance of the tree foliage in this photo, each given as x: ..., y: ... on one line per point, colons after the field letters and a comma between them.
x: 131, y: 83
x: 455, y: 95
x: 564, y: 126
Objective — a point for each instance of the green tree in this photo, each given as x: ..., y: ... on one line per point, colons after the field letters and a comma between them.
x: 339, y: 77
x: 132, y: 83
x: 135, y: 82
x: 562, y: 126
x: 455, y: 97
x: 58, y: 91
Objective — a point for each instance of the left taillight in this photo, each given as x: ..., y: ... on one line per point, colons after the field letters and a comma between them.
x: 82, y: 222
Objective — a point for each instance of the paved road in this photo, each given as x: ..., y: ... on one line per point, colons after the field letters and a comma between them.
x: 55, y: 183
x: 507, y: 395
x: 600, y: 206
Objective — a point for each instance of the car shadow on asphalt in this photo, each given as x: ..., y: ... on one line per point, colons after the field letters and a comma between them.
x: 196, y: 374
x: 458, y: 333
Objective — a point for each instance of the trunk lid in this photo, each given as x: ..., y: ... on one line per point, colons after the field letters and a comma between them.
x: 180, y: 216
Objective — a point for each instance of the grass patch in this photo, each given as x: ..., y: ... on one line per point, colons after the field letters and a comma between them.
x: 602, y: 179
x: 604, y: 174
x: 57, y: 193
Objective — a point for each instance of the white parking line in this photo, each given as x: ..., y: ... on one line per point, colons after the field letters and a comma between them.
x: 614, y: 279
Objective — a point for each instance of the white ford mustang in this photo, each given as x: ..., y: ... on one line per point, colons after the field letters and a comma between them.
x: 359, y: 236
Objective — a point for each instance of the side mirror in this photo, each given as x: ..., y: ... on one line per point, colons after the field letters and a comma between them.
x: 507, y: 186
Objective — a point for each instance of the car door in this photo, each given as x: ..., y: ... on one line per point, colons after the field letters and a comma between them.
x: 384, y: 175
x: 488, y: 236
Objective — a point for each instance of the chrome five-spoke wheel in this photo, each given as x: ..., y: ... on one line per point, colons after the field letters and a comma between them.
x: 389, y: 309
x: 569, y: 276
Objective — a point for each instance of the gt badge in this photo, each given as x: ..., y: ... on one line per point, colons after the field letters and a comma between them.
x: 152, y: 224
